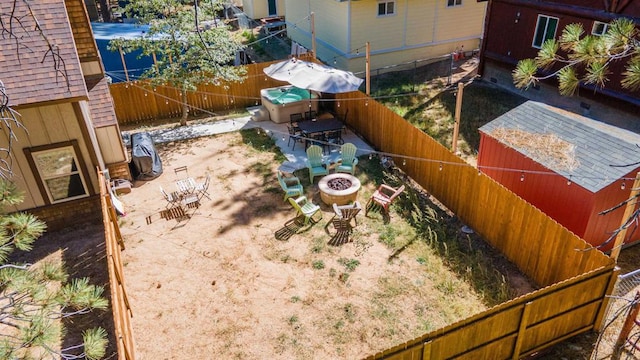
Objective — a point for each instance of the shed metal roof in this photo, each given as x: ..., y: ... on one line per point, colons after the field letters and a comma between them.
x: 598, y: 146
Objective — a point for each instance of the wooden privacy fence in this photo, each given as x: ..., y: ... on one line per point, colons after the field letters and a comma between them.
x: 574, y: 279
x: 119, y: 301
x: 138, y: 101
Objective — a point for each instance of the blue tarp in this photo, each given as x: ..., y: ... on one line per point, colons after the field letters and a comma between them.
x: 105, y: 32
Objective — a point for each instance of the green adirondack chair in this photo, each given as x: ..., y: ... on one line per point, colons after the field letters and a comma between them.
x: 290, y: 185
x: 348, y: 160
x: 316, y: 163
x: 305, y: 207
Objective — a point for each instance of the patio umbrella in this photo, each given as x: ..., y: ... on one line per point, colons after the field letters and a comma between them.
x: 312, y: 76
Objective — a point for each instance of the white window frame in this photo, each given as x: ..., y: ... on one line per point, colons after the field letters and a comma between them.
x: 386, y: 8
x: 599, y: 25
x: 44, y: 177
x: 535, y: 33
x: 452, y: 3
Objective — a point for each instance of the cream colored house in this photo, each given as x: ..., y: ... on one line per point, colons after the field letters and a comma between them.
x: 258, y: 9
x: 398, y: 31
x: 70, y: 130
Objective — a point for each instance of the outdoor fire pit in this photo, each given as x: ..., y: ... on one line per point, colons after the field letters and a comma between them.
x: 339, y: 188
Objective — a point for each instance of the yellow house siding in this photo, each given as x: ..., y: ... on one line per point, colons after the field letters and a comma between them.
x: 257, y: 9
x: 459, y: 21
x: 420, y: 22
x: 44, y: 125
x: 382, y: 32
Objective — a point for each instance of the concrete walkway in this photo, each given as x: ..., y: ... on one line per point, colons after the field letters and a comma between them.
x: 296, y: 157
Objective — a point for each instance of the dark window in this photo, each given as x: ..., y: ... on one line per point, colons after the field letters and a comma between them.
x: 454, y: 2
x: 59, y: 172
x: 545, y: 30
x: 386, y: 8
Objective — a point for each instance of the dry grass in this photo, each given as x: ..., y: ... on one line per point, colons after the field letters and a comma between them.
x: 546, y: 148
x: 242, y: 278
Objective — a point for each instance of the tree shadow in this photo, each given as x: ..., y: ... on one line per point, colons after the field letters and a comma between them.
x: 83, y: 251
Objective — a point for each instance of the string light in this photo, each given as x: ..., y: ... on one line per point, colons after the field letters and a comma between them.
x: 522, y: 176
x: 569, y: 180
x: 440, y: 168
x: 404, y: 162
x: 370, y: 156
x: 623, y: 185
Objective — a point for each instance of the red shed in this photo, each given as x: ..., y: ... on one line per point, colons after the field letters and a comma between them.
x: 569, y: 166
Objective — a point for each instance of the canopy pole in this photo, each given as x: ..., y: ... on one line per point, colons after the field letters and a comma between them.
x: 368, y: 69
x: 313, y: 35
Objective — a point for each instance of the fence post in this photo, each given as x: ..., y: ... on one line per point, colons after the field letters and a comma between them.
x: 524, y: 319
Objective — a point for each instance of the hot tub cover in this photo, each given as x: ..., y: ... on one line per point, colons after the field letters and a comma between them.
x: 145, y: 161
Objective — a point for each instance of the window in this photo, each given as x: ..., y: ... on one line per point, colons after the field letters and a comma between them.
x: 59, y: 171
x: 386, y: 8
x: 545, y: 30
x: 454, y: 2
x: 599, y: 28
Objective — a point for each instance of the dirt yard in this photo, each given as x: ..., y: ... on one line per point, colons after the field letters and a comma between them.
x: 241, y: 279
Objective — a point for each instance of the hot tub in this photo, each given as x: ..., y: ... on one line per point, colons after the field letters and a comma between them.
x: 286, y: 100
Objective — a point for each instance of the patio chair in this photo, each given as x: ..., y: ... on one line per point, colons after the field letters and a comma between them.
x: 341, y: 221
x: 294, y: 119
x: 348, y: 160
x: 201, y: 189
x: 171, y: 198
x: 290, y: 185
x: 383, y: 197
x: 345, y: 213
x: 181, y: 170
x: 334, y: 137
x: 310, y: 115
x: 316, y: 163
x: 295, y: 136
x: 305, y: 207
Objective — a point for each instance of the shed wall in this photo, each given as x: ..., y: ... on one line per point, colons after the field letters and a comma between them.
x: 548, y: 192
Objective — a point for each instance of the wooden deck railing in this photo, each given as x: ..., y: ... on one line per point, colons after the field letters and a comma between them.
x: 120, y: 306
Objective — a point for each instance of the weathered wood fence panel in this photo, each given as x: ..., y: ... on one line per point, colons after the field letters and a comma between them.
x: 137, y: 101
x: 119, y: 301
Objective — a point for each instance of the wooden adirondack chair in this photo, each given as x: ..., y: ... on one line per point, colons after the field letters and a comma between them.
x: 383, y: 196
x: 305, y: 207
x: 290, y: 185
x: 316, y: 163
x: 348, y: 160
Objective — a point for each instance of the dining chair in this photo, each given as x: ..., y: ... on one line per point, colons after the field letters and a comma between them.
x: 334, y: 137
x: 295, y: 136
x: 310, y: 115
x: 181, y: 170
x: 294, y: 119
x: 316, y: 163
x: 201, y: 189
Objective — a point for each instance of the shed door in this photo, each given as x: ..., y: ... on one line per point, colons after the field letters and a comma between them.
x: 272, y: 8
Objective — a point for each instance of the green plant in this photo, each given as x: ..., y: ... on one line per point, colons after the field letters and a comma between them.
x: 292, y: 319
x: 295, y: 299
x: 349, y: 264
x: 318, y: 264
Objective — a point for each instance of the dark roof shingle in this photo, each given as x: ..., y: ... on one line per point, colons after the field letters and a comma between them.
x: 28, y: 69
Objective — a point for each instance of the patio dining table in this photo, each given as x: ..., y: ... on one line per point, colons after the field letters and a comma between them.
x: 320, y: 126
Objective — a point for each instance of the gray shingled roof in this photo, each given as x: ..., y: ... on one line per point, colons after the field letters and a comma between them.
x: 597, y: 145
x: 26, y: 77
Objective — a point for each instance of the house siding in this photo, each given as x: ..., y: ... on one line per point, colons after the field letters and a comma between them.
x: 507, y: 17
x: 418, y: 30
x: 257, y: 9
x: 46, y: 125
